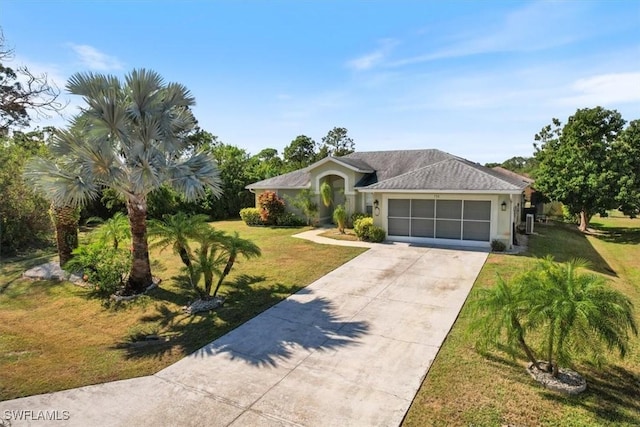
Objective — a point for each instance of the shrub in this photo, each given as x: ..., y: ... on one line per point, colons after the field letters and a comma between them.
x: 362, y: 226
x: 104, y: 267
x: 356, y: 216
x: 271, y: 206
x: 289, y: 219
x: 340, y: 217
x: 376, y: 234
x: 365, y: 230
x: 251, y: 216
x: 498, y: 246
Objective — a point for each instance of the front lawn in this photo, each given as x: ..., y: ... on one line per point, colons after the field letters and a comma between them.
x: 464, y: 387
x: 53, y: 336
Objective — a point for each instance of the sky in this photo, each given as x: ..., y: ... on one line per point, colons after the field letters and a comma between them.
x: 477, y: 79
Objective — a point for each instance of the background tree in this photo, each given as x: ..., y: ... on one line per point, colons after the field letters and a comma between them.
x: 337, y: 143
x: 268, y: 164
x: 300, y: 153
x: 21, y: 91
x: 626, y: 151
x: 24, y: 214
x: 575, y: 162
x: 522, y: 165
x: 130, y: 137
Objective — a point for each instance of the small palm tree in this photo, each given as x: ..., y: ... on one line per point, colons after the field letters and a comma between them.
x: 340, y: 218
x: 498, y: 311
x: 131, y: 137
x: 233, y: 247
x: 208, y: 260
x: 579, y: 310
x: 114, y: 230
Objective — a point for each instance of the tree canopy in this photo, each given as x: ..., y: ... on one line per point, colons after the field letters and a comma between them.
x: 582, y: 164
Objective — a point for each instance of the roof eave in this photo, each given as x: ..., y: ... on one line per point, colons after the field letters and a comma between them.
x: 437, y: 191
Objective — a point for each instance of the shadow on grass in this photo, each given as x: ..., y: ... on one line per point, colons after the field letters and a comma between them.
x: 303, y: 322
x: 564, y: 242
x: 621, y: 235
x: 611, y: 395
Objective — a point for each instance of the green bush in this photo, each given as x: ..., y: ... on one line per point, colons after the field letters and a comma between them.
x: 498, y: 246
x: 365, y: 230
x: 289, y: 219
x: 104, y: 267
x: 356, y: 216
x: 376, y: 234
x: 251, y: 216
x: 362, y: 227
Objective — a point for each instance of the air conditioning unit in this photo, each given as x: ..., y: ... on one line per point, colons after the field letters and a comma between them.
x: 529, y: 224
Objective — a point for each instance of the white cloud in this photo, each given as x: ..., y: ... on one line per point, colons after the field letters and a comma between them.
x: 537, y: 26
x: 604, y: 89
x: 370, y: 60
x: 93, y: 59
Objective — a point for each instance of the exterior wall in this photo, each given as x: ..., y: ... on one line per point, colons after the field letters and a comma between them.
x: 500, y: 227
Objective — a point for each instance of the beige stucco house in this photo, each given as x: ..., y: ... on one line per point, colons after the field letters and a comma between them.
x: 420, y: 196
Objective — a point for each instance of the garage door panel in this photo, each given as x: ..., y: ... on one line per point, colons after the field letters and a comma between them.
x: 450, y: 209
x: 448, y: 229
x: 422, y: 227
x: 400, y: 208
x: 479, y: 231
x: 423, y: 208
x: 398, y: 227
x: 479, y: 210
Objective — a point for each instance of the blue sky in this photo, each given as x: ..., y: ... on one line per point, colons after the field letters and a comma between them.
x: 474, y: 78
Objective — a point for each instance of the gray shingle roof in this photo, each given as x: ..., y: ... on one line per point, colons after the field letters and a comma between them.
x: 409, y: 170
x: 453, y: 174
x: 295, y: 179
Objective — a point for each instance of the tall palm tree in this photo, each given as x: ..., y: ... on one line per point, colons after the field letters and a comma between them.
x: 579, y: 310
x: 131, y: 137
x: 65, y: 219
x: 235, y: 246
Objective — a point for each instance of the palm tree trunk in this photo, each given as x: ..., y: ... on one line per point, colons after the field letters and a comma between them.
x: 65, y: 219
x: 523, y: 344
x: 140, y: 274
x: 227, y: 270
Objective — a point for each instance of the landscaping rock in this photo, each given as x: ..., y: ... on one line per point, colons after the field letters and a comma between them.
x: 155, y: 282
x: 203, y: 305
x: 52, y: 271
x: 567, y: 382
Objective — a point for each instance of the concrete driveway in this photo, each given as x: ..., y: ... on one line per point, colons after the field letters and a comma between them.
x: 351, y: 349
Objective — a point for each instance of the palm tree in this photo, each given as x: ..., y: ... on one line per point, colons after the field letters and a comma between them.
x: 130, y: 137
x: 175, y: 231
x: 207, y: 260
x: 234, y: 246
x: 499, y: 310
x: 65, y: 219
x: 114, y: 230
x: 326, y: 194
x: 578, y: 309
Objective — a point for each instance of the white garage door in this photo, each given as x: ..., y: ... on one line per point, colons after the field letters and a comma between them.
x: 440, y: 219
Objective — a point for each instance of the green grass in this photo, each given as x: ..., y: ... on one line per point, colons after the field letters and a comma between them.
x: 54, y: 336
x: 464, y: 387
x: 333, y: 233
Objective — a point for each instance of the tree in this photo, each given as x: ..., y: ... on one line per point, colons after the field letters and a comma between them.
x: 268, y: 164
x: 130, y: 137
x: 340, y: 218
x: 575, y: 162
x: 21, y: 91
x: 626, y: 150
x: 518, y: 164
x: 300, y: 153
x: 233, y: 247
x: 24, y: 214
x: 305, y: 201
x: 337, y: 143
x: 326, y: 194
x: 114, y: 230
x: 574, y: 311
